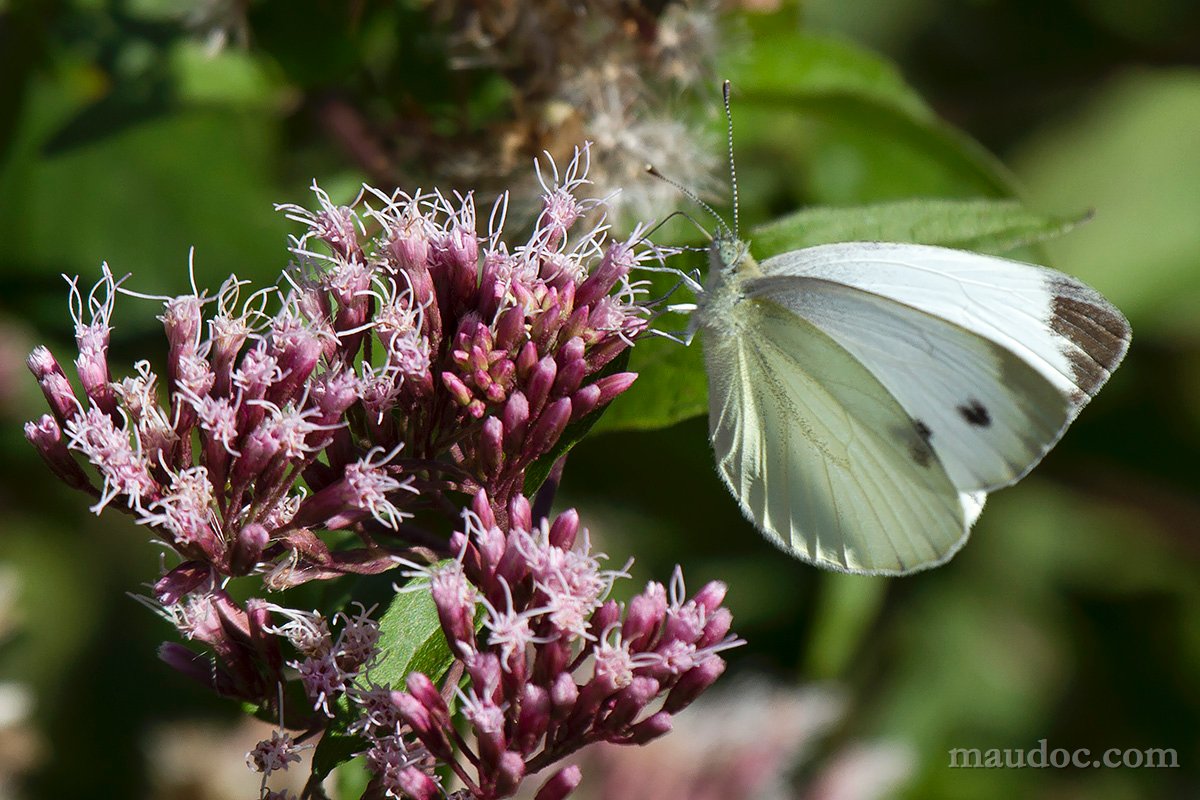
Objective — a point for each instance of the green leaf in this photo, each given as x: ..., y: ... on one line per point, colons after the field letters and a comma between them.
x: 410, y: 638
x: 670, y: 387
x: 982, y: 225
x: 856, y: 131
x: 537, y: 472
x: 334, y: 749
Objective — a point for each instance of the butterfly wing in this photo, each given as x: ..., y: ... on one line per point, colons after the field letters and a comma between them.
x: 819, y: 453
x: 991, y: 358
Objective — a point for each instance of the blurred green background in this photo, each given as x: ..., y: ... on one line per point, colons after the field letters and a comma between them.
x: 1073, y: 615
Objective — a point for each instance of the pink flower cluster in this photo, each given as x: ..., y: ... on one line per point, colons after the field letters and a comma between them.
x: 395, y: 367
x: 557, y: 665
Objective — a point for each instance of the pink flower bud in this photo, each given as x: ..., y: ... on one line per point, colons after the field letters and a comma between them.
x: 693, y: 682
x: 510, y: 770
x: 716, y: 627
x: 515, y: 417
x: 46, y: 436
x: 541, y: 379
x: 418, y: 717
x: 458, y: 390
x: 711, y: 596
x: 617, y: 262
x: 612, y: 385
x: 417, y: 785
x: 424, y: 690
x: 571, y: 351
x: 248, y: 548
x: 570, y: 376
x: 520, y: 516
x: 563, y: 694
x: 509, y: 328
x: 564, y: 529
x: 547, y: 429
x: 534, y: 718
x: 631, y: 701
x: 482, y: 507
x: 527, y: 359
x: 604, y: 617
x: 645, y: 615
x: 54, y: 384
x: 576, y: 324
x: 182, y: 581
x: 491, y: 446
x: 584, y: 401
x: 650, y: 728
x: 560, y: 784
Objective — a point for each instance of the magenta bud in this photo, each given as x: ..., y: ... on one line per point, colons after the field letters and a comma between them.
x: 510, y: 770
x: 54, y: 384
x: 417, y: 716
x: 509, y: 327
x: 560, y: 784
x: 484, y: 669
x: 548, y: 428
x: 504, y: 373
x: 693, y: 683
x: 534, y: 718
x: 458, y: 390
x: 564, y: 529
x: 646, y: 613
x: 491, y: 445
x: 541, y: 379
x: 584, y: 401
x: 527, y: 359
x: 576, y: 324
x: 181, y: 581
x: 46, y: 436
x: 248, y: 548
x: 482, y: 507
x: 711, y: 596
x: 182, y: 317
x: 631, y: 701
x: 650, y: 728
x: 563, y: 694
x: 455, y: 612
x: 414, y: 783
x: 520, y: 515
x: 606, y: 349
x: 571, y: 351
x: 298, y: 354
x: 570, y: 376
x: 612, y: 385
x: 424, y: 690
x: 617, y: 262
x: 92, y: 367
x: 716, y: 627
x: 604, y: 618
x: 515, y: 417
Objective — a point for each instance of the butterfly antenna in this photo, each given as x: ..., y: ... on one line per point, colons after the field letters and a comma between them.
x: 690, y: 195
x: 732, y: 169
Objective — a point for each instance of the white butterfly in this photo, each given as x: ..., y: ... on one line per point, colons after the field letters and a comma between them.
x: 865, y: 397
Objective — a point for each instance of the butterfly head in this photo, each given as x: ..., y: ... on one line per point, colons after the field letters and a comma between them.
x: 730, y: 256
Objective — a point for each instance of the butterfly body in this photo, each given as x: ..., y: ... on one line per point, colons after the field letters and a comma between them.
x: 865, y: 397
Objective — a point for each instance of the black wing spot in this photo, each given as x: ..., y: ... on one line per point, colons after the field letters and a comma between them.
x: 918, y: 449
x: 975, y: 413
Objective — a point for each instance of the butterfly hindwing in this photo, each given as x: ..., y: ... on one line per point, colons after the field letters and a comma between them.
x: 820, y: 454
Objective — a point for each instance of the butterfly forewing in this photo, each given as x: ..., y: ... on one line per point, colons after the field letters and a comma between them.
x: 1057, y: 325
x: 987, y: 414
